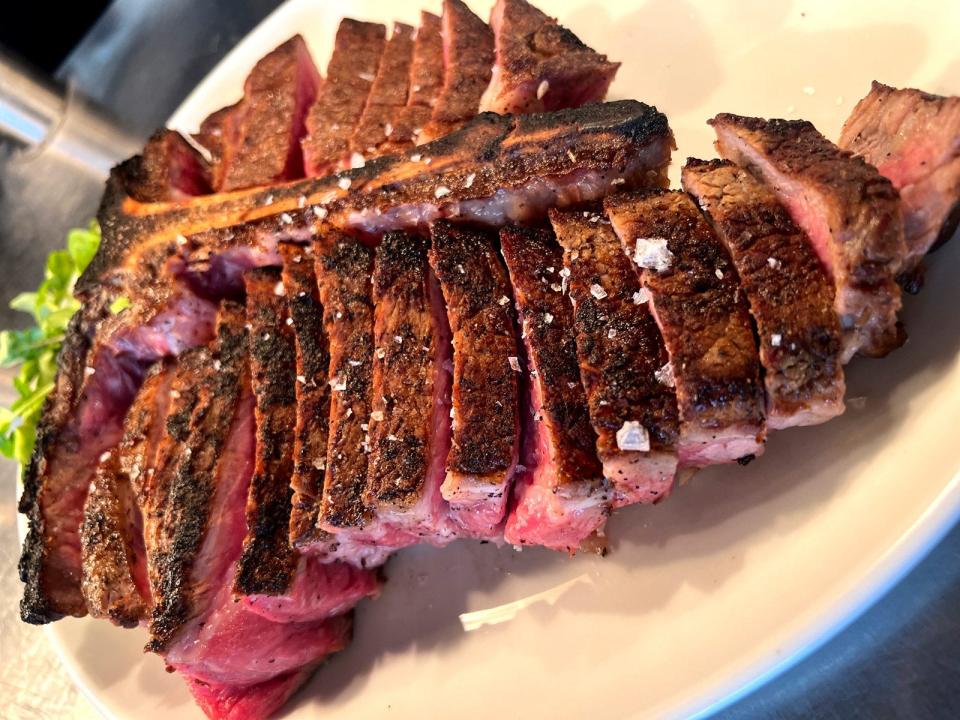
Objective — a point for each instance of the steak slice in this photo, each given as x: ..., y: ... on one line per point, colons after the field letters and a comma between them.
x: 560, y: 498
x: 312, y: 393
x: 426, y: 80
x: 913, y: 139
x: 388, y: 95
x: 485, y: 442
x: 621, y: 354
x: 115, y: 584
x: 849, y: 211
x: 467, y: 65
x: 217, y: 131
x: 540, y: 65
x: 210, y: 470
x: 268, y: 561
x: 343, y: 268
x: 791, y: 297
x: 694, y: 295
x: 409, y: 424
x: 263, y: 145
x: 497, y: 170
x: 171, y: 169
x: 333, y: 118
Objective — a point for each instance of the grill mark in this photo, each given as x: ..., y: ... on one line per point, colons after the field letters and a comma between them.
x: 268, y: 562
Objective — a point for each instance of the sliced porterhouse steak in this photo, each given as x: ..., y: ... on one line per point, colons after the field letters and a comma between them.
x: 621, y: 352
x: 333, y: 118
x: 312, y: 390
x: 695, y: 297
x: 560, y: 496
x: 216, y: 133
x: 913, y: 139
x: 496, y: 170
x: 115, y: 584
x: 426, y: 80
x: 467, y: 65
x: 486, y: 430
x: 170, y: 169
x: 263, y: 145
x: 791, y: 296
x: 268, y: 561
x: 189, y: 494
x: 850, y: 212
x: 409, y: 425
x: 387, y: 95
x: 540, y: 65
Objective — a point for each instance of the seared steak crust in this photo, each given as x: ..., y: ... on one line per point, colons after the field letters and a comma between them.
x: 426, y: 79
x: 620, y: 351
x: 705, y: 324
x: 187, y: 501
x: 343, y: 268
x: 850, y: 212
x: 312, y: 391
x: 334, y: 116
x: 268, y: 561
x: 169, y: 169
x: 535, y: 261
x: 791, y: 297
x: 468, y: 60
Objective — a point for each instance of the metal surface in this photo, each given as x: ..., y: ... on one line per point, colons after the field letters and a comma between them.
x: 900, y: 660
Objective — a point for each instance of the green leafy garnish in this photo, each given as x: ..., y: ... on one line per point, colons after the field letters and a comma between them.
x: 35, y: 349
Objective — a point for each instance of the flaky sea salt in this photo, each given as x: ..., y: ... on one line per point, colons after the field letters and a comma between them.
x: 641, y: 296
x: 504, y: 300
x: 469, y: 181
x: 320, y: 212
x: 441, y: 191
x: 344, y: 183
x: 278, y: 289
x: 653, y: 254
x: 338, y: 384
x: 633, y: 436
x: 514, y: 363
x: 719, y: 273
x: 776, y: 339
x: 542, y: 89
x: 377, y: 416
x: 547, y: 318
x: 773, y: 263
x: 286, y: 218
x: 664, y: 375
x: 597, y: 291
x: 357, y: 160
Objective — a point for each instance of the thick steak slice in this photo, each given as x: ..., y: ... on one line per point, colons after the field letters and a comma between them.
x: 540, y: 65
x: 849, y: 211
x: 268, y: 561
x: 486, y: 428
x: 467, y: 66
x: 791, y: 297
x: 387, y: 96
x: 913, y: 139
x: 426, y: 80
x: 560, y: 496
x: 312, y: 391
x: 409, y: 425
x: 497, y: 170
x: 343, y: 268
x: 202, y: 478
x: 621, y: 355
x: 171, y: 169
x: 695, y: 297
x: 263, y: 145
x: 333, y: 118
x: 115, y: 584
x: 220, y: 701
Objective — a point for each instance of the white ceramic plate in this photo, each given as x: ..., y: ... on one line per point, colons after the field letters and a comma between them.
x: 745, y: 569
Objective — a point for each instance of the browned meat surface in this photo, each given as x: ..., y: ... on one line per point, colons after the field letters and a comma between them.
x: 268, y: 561
x: 170, y: 169
x: 467, y: 66
x: 263, y: 142
x: 426, y: 80
x: 409, y: 425
x: 343, y: 269
x: 540, y: 65
x: 791, y: 297
x: 115, y: 584
x: 485, y: 444
x: 217, y: 131
x: 695, y: 297
x: 334, y: 116
x: 560, y: 497
x: 388, y: 95
x: 848, y: 210
x: 187, y: 498
x: 913, y: 139
x: 312, y: 393
x: 621, y: 353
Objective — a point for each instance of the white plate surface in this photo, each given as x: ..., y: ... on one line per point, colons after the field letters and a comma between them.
x: 745, y: 569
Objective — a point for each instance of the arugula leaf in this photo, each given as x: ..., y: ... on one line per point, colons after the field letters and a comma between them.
x: 35, y: 349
